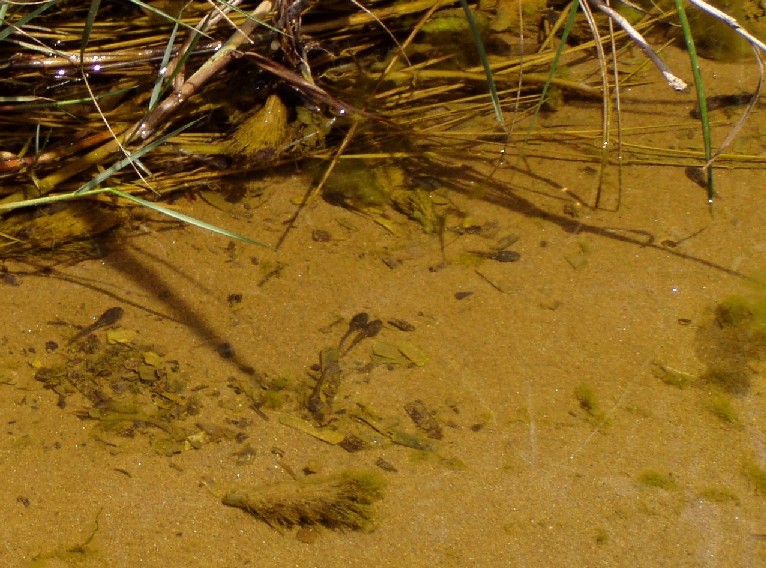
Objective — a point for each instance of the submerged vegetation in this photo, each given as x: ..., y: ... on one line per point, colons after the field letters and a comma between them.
x: 732, y: 344
x: 343, y: 501
x: 755, y: 475
x: 588, y: 401
x: 656, y: 479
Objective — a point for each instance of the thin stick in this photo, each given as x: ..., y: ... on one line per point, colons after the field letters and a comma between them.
x: 675, y: 83
x: 213, y: 65
x: 729, y: 21
x: 745, y: 115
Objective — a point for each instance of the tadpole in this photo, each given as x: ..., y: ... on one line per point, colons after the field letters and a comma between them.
x: 109, y: 317
x: 358, y: 322
x: 370, y: 330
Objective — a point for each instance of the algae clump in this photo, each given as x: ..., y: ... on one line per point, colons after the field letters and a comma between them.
x: 722, y: 409
x: 342, y: 501
x: 354, y: 185
x: 588, y: 401
x: 732, y: 343
x: 756, y: 475
x: 656, y: 479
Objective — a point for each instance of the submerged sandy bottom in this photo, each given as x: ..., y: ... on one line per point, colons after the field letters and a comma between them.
x: 524, y: 475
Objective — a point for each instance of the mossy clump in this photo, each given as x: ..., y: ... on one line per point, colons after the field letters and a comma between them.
x: 755, y: 475
x: 342, y: 501
x: 450, y: 30
x: 353, y: 184
x: 712, y: 38
x: 721, y: 407
x: 587, y: 398
x: 719, y: 495
x: 746, y: 312
x: 602, y: 536
x: 656, y: 479
x: 716, y: 40
x: 734, y: 340
x: 734, y: 311
x: 276, y: 393
x: 588, y: 401
x: 273, y: 399
x: 265, y: 129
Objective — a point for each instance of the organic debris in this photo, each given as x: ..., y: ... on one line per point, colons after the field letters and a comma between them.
x: 423, y: 419
x: 125, y: 387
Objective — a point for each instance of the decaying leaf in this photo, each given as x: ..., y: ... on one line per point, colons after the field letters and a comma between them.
x: 329, y: 436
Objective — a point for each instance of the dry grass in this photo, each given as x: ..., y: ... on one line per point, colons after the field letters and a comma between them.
x: 395, y: 80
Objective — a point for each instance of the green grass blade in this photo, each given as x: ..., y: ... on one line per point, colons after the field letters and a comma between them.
x: 574, y: 6
x: 249, y: 16
x: 162, y: 82
x: 48, y: 199
x: 37, y: 201
x: 701, y: 100
x: 157, y: 12
x: 89, y: 21
x: 484, y: 61
x: 182, y: 217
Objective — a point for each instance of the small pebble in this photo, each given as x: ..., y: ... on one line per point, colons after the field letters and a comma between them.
x: 307, y: 535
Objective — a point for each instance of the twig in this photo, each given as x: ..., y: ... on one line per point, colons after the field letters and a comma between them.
x: 213, y: 65
x: 729, y: 21
x: 675, y: 83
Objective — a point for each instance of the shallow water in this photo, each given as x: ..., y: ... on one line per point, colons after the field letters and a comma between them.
x: 561, y: 443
